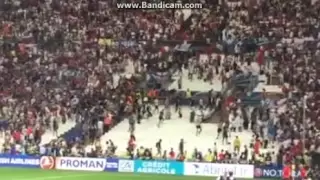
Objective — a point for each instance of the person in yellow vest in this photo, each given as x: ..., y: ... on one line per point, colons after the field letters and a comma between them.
x: 141, y: 149
x: 209, y: 156
x: 236, y: 144
x: 188, y: 156
x: 188, y: 93
x: 105, y: 42
x: 214, y: 158
x: 101, y: 42
x: 108, y: 42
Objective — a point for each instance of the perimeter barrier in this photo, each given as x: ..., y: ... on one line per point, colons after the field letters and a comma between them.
x: 124, y: 165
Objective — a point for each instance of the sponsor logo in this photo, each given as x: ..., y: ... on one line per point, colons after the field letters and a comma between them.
x: 85, y: 164
x: 126, y: 166
x: 209, y: 169
x: 196, y: 168
x: 112, y: 165
x: 158, y: 167
x: 47, y: 162
x: 19, y: 161
x: 258, y: 172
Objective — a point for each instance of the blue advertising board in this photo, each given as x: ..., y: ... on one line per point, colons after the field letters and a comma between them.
x: 159, y: 167
x: 269, y: 171
x: 112, y: 165
x: 19, y: 161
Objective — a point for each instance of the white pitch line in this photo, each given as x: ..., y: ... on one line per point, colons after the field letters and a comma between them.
x: 51, y: 177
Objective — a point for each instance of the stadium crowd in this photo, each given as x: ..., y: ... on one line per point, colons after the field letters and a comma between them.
x: 67, y: 61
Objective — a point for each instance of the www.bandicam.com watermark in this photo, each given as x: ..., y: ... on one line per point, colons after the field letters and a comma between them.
x: 160, y: 5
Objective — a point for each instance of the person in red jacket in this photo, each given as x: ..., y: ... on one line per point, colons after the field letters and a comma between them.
x: 287, y: 172
x: 303, y: 173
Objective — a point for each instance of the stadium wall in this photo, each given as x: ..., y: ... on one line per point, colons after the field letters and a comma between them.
x: 139, y: 166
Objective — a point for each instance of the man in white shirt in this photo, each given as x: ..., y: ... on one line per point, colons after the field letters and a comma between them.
x: 198, y: 121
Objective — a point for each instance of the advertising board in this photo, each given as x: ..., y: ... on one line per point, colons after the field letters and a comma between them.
x: 270, y: 171
x: 126, y: 165
x: 212, y: 169
x: 159, y: 167
x: 44, y: 162
x: 87, y: 164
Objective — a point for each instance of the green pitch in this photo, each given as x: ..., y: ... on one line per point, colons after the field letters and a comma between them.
x: 38, y: 174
